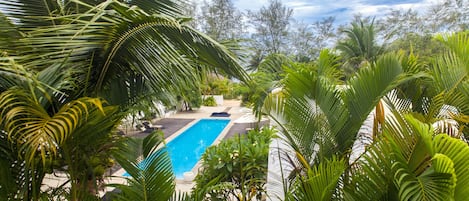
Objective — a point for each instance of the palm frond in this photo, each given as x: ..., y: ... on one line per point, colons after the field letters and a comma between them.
x: 168, y: 53
x: 458, y: 152
x: 9, y: 34
x: 172, y: 8
x: 13, y: 74
x: 320, y: 181
x: 310, y: 102
x: 30, y: 13
x: 371, y: 84
x: 459, y: 44
x: 363, y: 93
x: 406, y: 162
x: 114, y: 43
x: 181, y: 196
x: 152, y: 177
x: 436, y: 183
x: 39, y: 133
x: 10, y: 168
x: 448, y: 71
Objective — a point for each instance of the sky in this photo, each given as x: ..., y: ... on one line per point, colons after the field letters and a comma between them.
x: 310, y: 11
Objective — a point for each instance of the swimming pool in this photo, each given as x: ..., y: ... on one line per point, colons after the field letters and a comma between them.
x: 186, y: 149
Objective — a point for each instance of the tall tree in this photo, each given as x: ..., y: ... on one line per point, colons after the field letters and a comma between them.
x: 307, y: 40
x: 221, y: 20
x: 450, y: 15
x: 271, y: 26
x: 302, y: 42
x: 403, y: 23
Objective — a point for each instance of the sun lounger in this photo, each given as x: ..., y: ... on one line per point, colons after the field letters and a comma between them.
x: 149, y: 127
x: 220, y: 114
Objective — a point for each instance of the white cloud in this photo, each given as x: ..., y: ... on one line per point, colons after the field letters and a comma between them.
x: 306, y: 11
x: 312, y: 10
x: 250, y: 4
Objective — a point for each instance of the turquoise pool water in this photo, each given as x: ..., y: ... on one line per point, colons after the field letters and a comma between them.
x: 186, y: 149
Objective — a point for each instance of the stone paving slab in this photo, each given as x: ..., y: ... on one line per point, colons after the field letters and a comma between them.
x: 242, y: 128
x: 170, y: 126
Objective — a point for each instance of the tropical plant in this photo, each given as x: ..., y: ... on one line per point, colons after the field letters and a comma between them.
x: 275, y: 65
x: 253, y: 94
x: 360, y: 45
x: 44, y: 141
x: 319, y: 182
x: 406, y: 158
x: 424, y: 46
x: 108, y: 46
x: 149, y: 168
x: 312, y: 100
x: 59, y: 53
x: 410, y: 162
x: 215, y: 85
x: 320, y: 117
x: 209, y: 101
x: 236, y: 168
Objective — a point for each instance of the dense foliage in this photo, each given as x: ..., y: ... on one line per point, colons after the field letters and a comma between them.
x: 209, y: 101
x: 365, y: 122
x: 72, y: 70
x: 236, y: 168
x: 393, y: 131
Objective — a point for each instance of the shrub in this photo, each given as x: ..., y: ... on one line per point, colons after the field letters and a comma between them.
x: 210, y: 101
x: 235, y: 167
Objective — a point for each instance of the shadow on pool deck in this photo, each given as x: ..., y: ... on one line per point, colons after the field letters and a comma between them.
x: 170, y: 126
x: 242, y: 128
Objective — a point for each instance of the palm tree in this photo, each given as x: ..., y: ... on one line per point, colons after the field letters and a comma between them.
x: 136, y: 51
x: 406, y: 160
x: 154, y: 178
x: 359, y: 47
x: 312, y: 99
x: 40, y: 139
x: 58, y: 53
x: 410, y: 162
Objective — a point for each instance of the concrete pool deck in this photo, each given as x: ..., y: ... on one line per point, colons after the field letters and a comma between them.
x: 173, y: 125
x: 176, y: 123
x: 236, y: 112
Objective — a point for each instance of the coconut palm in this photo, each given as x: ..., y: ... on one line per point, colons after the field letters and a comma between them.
x: 118, y: 52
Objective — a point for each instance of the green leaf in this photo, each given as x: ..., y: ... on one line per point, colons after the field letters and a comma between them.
x: 458, y: 152
x: 320, y: 182
x: 436, y: 183
x: 151, y: 178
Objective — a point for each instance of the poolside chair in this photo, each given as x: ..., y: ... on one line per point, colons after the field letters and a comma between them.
x: 220, y: 114
x: 149, y: 127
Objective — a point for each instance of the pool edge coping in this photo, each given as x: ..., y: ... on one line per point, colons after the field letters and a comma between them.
x: 118, y: 175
